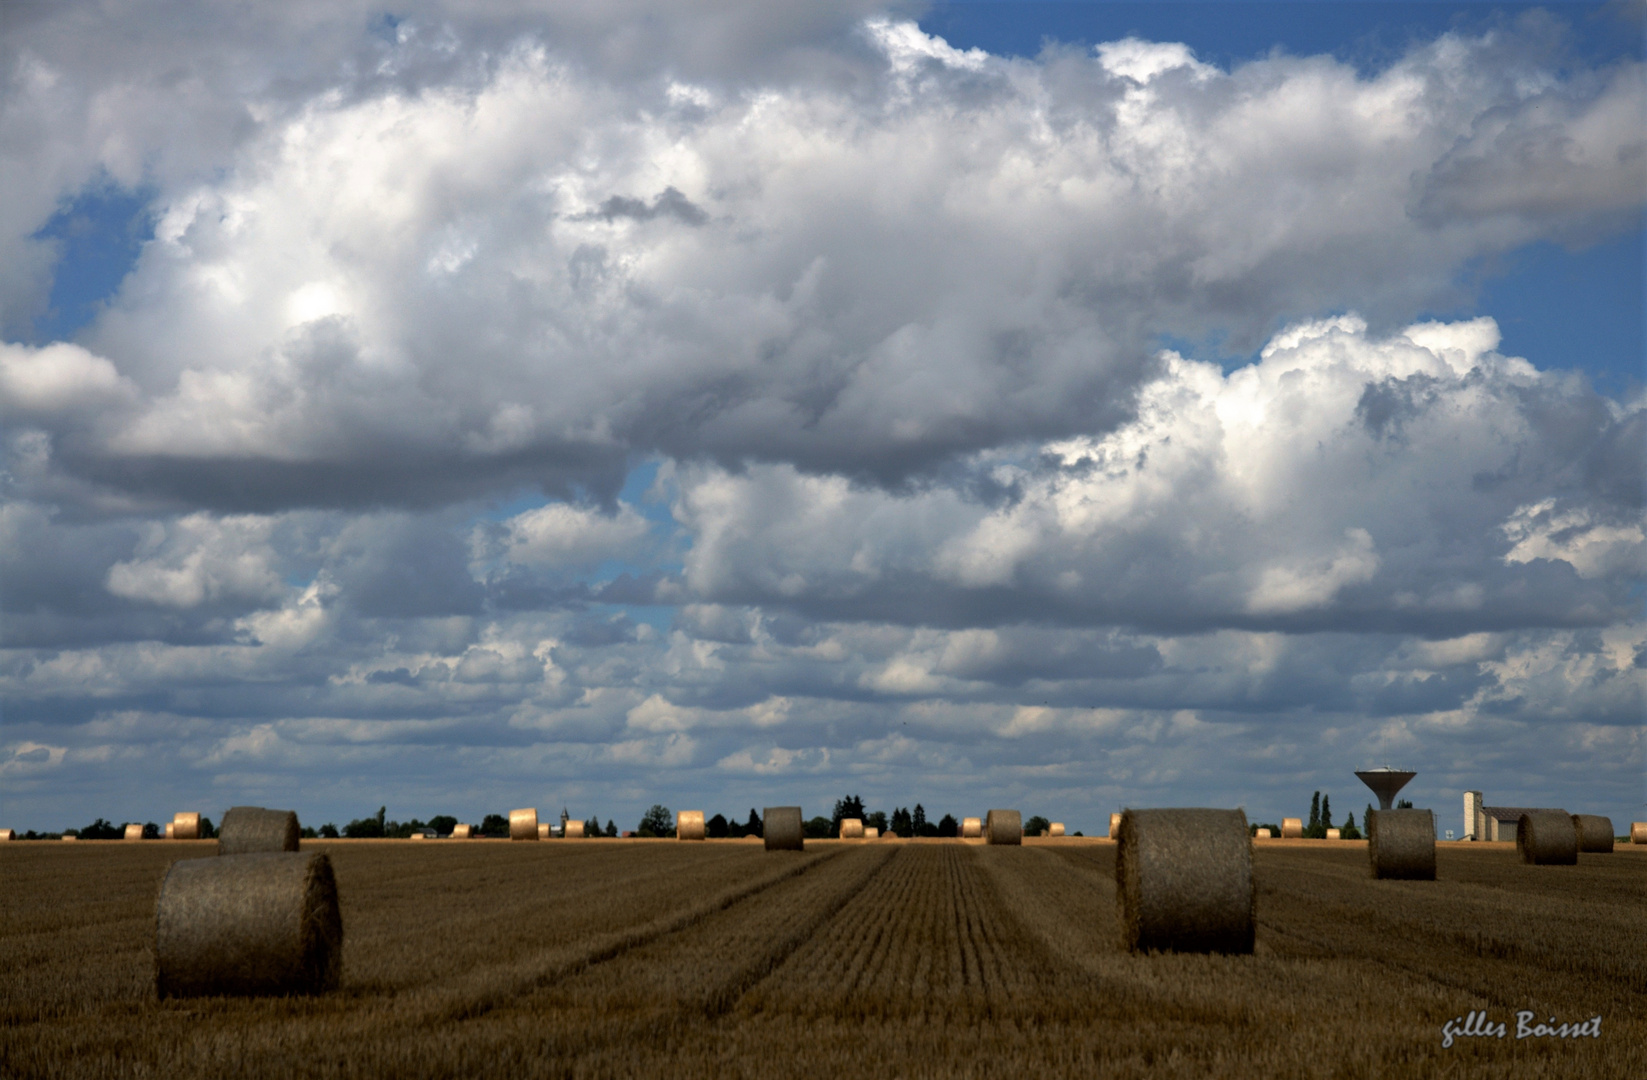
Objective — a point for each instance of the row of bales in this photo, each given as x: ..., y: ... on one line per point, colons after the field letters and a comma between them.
x: 263, y: 917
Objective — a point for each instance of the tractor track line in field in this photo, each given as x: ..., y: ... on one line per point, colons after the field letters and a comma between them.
x: 483, y: 991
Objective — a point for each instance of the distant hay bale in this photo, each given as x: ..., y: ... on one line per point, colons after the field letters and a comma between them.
x: 972, y: 827
x: 264, y: 923
x: 1401, y: 844
x: 462, y: 832
x: 523, y: 824
x: 70, y: 837
x: 1055, y: 829
x: 1261, y: 834
x: 545, y: 831
x: 852, y: 828
x: 1333, y: 834
x: 572, y: 830
x: 7, y: 835
x: 1638, y: 832
x: 870, y: 832
x: 1292, y: 828
x: 1595, y: 833
x: 1114, y: 826
x: 782, y: 829
x: 418, y: 834
x: 1004, y: 827
x: 689, y: 825
x: 170, y: 825
x: 134, y: 831
x: 1184, y: 881
x: 186, y: 826
x: 1547, y: 838
x: 252, y: 828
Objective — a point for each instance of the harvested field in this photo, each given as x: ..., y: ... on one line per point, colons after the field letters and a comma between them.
x: 926, y: 958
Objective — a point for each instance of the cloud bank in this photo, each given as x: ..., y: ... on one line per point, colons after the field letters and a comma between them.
x: 555, y: 407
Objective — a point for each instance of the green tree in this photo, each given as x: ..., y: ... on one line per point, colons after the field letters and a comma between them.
x: 1326, y: 815
x: 850, y: 807
x: 100, y: 830
x: 494, y: 825
x: 948, y: 826
x: 360, y: 828
x: 817, y: 828
x: 328, y: 831
x: 901, y: 825
x: 753, y: 826
x: 611, y: 827
x: 715, y: 827
x: 1315, y: 815
x: 1349, y: 831
x: 917, y: 821
x: 592, y: 826
x: 876, y: 820
x: 443, y: 824
x: 1403, y: 804
x: 208, y: 831
x: 151, y: 831
x: 657, y: 821
x: 1036, y: 826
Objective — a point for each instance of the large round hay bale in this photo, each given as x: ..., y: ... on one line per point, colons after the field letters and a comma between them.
x: 1638, y: 832
x: 264, y: 923
x: 1334, y: 834
x: 1262, y: 834
x: 545, y: 831
x: 1114, y: 826
x: 782, y: 829
x: 1055, y: 829
x: 523, y: 824
x: 1595, y: 833
x: 972, y: 828
x: 1184, y: 881
x: 462, y: 832
x: 1547, y: 838
x: 871, y: 832
x: 572, y: 830
x: 689, y: 825
x: 852, y: 828
x: 1401, y: 844
x: 7, y: 835
x: 1004, y: 827
x: 186, y: 826
x: 134, y: 831
x: 252, y: 828
x: 1292, y: 828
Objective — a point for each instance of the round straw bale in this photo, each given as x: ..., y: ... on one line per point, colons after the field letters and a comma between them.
x: 1334, y: 834
x: 417, y: 834
x: 870, y: 832
x: 1055, y: 829
x: 1292, y: 828
x: 69, y: 836
x: 545, y: 831
x: 7, y: 835
x: 689, y: 825
x: 170, y: 825
x: 1638, y: 832
x: 462, y: 832
x: 1401, y: 844
x: 1261, y: 834
x: 1114, y: 826
x: 134, y: 831
x: 1595, y: 833
x: 1004, y: 827
x: 852, y: 828
x: 186, y: 826
x: 1547, y: 838
x: 523, y: 824
x: 1184, y: 881
x: 252, y: 828
x: 972, y: 827
x: 782, y: 829
x: 572, y: 830
x: 263, y: 923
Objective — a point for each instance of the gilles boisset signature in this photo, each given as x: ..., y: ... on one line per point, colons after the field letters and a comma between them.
x: 1477, y: 1026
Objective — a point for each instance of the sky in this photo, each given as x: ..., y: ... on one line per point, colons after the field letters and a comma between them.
x: 1055, y: 406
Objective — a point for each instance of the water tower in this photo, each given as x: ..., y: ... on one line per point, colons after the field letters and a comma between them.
x: 1385, y: 783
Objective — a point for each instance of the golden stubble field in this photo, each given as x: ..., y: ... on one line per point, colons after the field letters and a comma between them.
x: 909, y: 959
